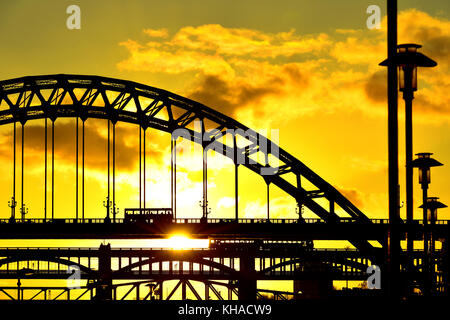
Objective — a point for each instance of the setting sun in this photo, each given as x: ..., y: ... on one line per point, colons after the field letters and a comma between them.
x: 178, y: 242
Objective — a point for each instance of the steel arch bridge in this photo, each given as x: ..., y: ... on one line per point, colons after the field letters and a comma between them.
x: 84, y: 97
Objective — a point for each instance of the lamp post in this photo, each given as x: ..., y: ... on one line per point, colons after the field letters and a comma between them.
x: 408, y: 59
x: 205, y: 209
x: 115, y: 212
x: 12, y: 204
x: 424, y: 162
x: 22, y: 273
x: 431, y: 206
x: 23, y: 211
x: 107, y: 204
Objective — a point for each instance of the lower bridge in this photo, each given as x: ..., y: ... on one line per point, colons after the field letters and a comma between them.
x: 109, y: 273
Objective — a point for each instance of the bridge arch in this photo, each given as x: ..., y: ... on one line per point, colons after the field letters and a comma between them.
x: 361, y: 267
x: 66, y: 262
x: 201, y: 261
x: 83, y: 96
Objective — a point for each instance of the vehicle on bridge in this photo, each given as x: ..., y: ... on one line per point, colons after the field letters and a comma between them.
x: 148, y: 215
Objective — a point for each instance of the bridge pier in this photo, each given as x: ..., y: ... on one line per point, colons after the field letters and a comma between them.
x: 319, y: 286
x: 247, y: 280
x: 104, y: 281
x: 314, y: 288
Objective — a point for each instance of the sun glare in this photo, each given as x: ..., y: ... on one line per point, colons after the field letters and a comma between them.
x: 179, y: 242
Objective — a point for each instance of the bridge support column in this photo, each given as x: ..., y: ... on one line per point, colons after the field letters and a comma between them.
x: 247, y: 281
x: 104, y: 288
x: 318, y: 285
x: 314, y: 288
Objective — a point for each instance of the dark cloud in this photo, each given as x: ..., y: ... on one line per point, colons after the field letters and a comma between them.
x: 227, y: 96
x: 295, y: 75
x: 438, y: 48
x: 435, y: 44
x: 376, y: 90
x: 376, y: 86
x: 427, y: 104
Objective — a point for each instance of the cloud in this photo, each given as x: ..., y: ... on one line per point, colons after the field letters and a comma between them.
x: 241, y: 41
x: 152, y: 58
x: 376, y: 86
x: 227, y: 97
x: 267, y: 77
x: 157, y: 33
x: 433, y: 33
x: 359, y: 50
x: 213, y: 49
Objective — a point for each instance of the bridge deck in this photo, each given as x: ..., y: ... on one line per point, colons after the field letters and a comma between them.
x: 287, y: 229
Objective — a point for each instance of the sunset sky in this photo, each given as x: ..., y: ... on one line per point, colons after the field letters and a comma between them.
x: 306, y: 68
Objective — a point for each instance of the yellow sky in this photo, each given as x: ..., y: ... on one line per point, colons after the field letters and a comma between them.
x: 321, y: 88
x: 306, y: 68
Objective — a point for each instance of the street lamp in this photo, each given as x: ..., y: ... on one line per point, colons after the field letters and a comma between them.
x: 115, y: 212
x: 23, y: 211
x: 206, y: 210
x: 408, y: 59
x: 12, y: 204
x: 431, y: 206
x: 424, y: 162
x: 107, y: 204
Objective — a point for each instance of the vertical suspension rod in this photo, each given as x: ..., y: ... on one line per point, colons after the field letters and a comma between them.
x: 82, y: 171
x: 76, y: 172
x: 53, y: 169
x: 268, y: 188
x: 236, y: 181
x: 14, y: 177
x: 144, y: 168
x: 175, y: 179
x: 109, y: 158
x: 140, y: 168
x: 268, y: 200
x: 114, y: 172
x: 45, y: 170
x: 23, y: 140
x: 171, y: 173
x: 205, y: 173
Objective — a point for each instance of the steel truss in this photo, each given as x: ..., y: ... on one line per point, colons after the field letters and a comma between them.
x: 84, y: 97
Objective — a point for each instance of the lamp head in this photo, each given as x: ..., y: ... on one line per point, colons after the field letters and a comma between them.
x: 407, y: 60
x: 424, y: 162
x: 432, y: 205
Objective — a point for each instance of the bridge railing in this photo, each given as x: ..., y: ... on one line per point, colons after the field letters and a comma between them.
x: 198, y: 220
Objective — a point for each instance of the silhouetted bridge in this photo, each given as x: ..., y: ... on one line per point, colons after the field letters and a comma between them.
x: 237, y: 262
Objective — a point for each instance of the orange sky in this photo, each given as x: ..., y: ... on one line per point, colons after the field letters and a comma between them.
x: 319, y: 84
x: 306, y: 68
